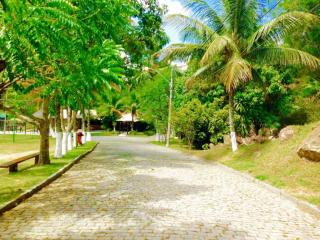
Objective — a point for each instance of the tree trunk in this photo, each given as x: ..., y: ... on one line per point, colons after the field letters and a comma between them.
x: 71, y: 119
x: 74, y: 130
x: 44, y: 134
x: 64, y: 143
x: 231, y: 122
x: 64, y: 133
x: 69, y: 141
x: 88, y: 135
x: 68, y: 128
x: 52, y: 131
x: 83, y: 122
x: 44, y: 143
x: 58, y: 148
x: 132, y: 121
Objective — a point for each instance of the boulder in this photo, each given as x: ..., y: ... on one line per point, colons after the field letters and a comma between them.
x: 248, y: 140
x: 310, y: 148
x: 286, y: 133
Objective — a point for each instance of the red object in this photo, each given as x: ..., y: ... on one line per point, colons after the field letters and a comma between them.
x: 79, y: 135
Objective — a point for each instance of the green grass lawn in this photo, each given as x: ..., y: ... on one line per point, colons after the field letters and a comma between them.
x: 105, y: 133
x: 12, y: 185
x: 22, y: 143
x: 275, y: 162
x: 116, y: 133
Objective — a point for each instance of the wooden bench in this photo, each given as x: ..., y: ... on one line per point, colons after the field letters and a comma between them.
x: 13, y: 164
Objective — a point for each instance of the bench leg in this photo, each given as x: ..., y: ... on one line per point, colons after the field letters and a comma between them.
x: 13, y: 168
x: 36, y: 160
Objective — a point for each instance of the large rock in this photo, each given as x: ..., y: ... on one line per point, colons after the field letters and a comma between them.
x: 286, y: 133
x: 310, y: 149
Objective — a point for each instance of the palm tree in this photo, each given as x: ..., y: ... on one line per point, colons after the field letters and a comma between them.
x: 226, y: 38
x: 132, y: 106
x: 113, y: 107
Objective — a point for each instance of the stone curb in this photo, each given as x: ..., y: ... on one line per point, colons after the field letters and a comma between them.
x: 27, y: 194
x: 303, y: 205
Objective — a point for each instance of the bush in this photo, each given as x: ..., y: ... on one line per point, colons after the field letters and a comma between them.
x: 191, y: 123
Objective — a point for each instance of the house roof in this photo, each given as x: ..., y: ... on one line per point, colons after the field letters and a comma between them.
x: 127, y: 117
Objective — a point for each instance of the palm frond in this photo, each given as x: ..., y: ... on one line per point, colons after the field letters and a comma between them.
x: 207, y: 12
x: 200, y: 74
x: 235, y: 72
x: 216, y: 47
x: 181, y: 51
x: 276, y: 29
x: 242, y: 16
x: 285, y: 56
x: 190, y: 29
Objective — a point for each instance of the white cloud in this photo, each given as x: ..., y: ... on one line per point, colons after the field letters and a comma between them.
x: 175, y: 7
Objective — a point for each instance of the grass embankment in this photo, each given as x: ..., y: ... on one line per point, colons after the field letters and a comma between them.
x: 12, y: 185
x: 275, y: 162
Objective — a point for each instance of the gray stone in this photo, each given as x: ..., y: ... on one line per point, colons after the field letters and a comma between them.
x: 286, y: 133
x: 310, y: 148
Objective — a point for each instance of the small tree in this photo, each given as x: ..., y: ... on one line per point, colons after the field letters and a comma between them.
x: 189, y: 120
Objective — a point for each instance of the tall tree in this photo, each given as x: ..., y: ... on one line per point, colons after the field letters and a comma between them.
x: 227, y: 38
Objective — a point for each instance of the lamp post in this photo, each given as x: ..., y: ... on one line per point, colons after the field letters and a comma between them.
x: 170, y: 99
x: 170, y: 107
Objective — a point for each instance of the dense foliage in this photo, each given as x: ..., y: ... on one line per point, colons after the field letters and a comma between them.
x: 71, y: 55
x: 234, y: 47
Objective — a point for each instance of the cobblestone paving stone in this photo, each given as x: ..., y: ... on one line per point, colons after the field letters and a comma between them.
x: 129, y: 189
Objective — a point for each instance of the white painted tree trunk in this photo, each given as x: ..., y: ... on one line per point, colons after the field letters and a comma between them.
x: 64, y: 143
x: 58, y: 149
x: 52, y: 133
x: 157, y: 137
x: 74, y: 134
x: 234, y: 141
x: 69, y: 146
x: 88, y: 137
x: 83, y: 138
x: 233, y: 135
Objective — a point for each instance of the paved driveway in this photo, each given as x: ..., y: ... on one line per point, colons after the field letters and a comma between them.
x: 129, y: 189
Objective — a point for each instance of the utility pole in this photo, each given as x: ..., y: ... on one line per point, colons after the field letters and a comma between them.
x: 170, y: 108
x: 5, y: 116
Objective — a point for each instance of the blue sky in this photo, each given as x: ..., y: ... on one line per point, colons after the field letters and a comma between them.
x: 175, y: 7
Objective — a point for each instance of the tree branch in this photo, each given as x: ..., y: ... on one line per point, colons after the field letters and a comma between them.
x: 21, y: 115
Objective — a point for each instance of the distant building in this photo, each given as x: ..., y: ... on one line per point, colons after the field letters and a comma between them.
x: 125, y: 122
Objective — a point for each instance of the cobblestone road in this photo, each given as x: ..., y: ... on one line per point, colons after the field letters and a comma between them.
x: 127, y: 189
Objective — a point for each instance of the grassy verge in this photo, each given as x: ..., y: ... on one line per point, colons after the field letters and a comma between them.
x: 274, y: 162
x: 112, y: 133
x: 12, y: 185
x: 104, y: 133
x: 21, y: 143
x: 174, y: 143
